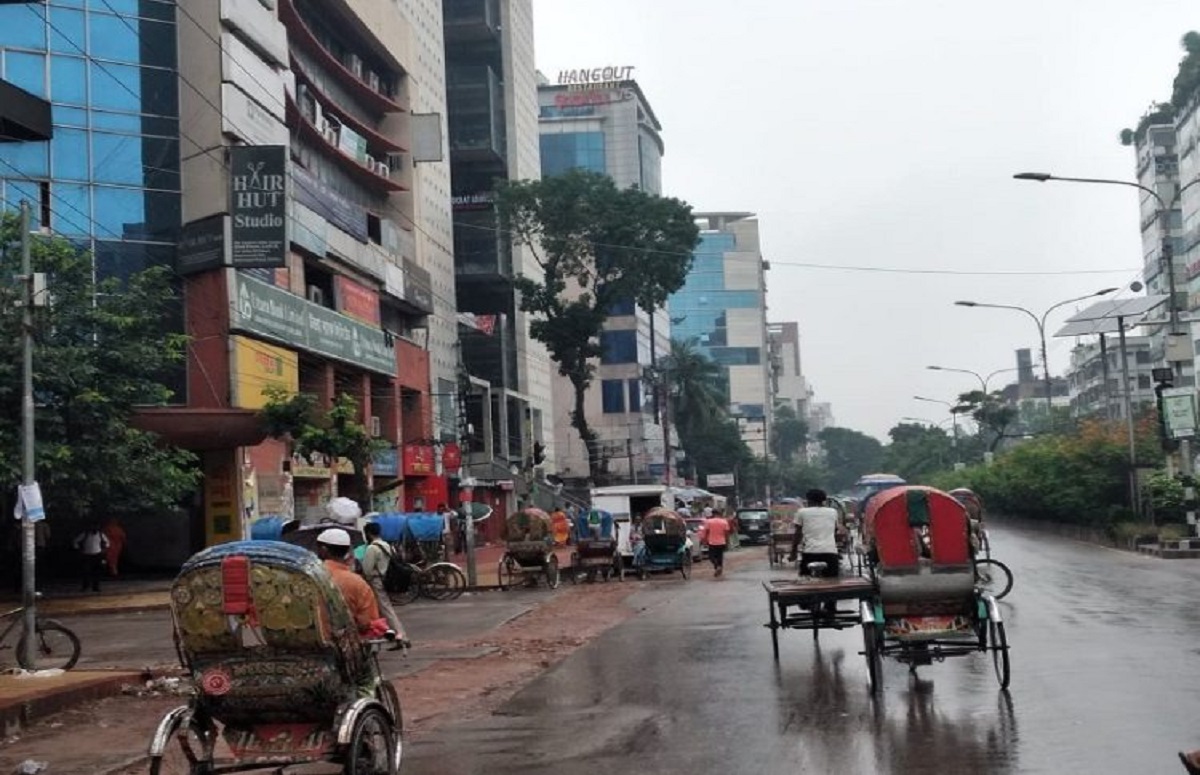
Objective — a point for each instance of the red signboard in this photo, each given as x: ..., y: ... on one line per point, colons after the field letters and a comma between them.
x: 418, y: 460
x: 357, y: 301
x: 451, y: 458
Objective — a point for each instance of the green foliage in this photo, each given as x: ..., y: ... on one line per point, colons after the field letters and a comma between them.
x: 1159, y: 113
x: 596, y: 245
x: 1187, y: 79
x: 1166, y: 497
x: 848, y: 455
x: 335, y: 433
x: 99, y: 353
x: 919, y: 451
x: 991, y: 412
x: 789, y: 433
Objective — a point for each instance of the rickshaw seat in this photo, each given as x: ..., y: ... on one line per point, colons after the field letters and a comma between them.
x: 927, y: 582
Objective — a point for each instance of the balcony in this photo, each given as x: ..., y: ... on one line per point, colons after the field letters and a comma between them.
x: 471, y: 21
x: 370, y: 88
x: 323, y: 103
x: 475, y: 103
x: 370, y: 172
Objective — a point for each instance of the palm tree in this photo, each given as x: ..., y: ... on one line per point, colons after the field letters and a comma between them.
x: 697, y: 385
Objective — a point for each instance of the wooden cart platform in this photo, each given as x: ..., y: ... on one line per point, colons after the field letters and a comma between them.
x: 799, y: 604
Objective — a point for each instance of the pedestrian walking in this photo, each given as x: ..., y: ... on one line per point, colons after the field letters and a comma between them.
x: 91, y: 545
x: 734, y: 541
x: 115, y: 534
x: 715, y: 533
x: 375, y: 562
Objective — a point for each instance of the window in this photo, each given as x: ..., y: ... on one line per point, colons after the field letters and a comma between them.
x: 737, y: 356
x: 572, y: 150
x: 612, y: 394
x: 622, y: 307
x: 69, y: 154
x: 635, y: 395
x: 68, y: 82
x: 67, y: 34
x: 28, y: 71
x: 618, y: 347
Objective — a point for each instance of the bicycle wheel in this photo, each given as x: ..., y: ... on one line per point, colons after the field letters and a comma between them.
x: 442, y: 581
x: 993, y: 577
x: 413, y: 589
x: 372, y: 749
x: 999, y: 648
x: 54, y: 646
x: 186, y: 747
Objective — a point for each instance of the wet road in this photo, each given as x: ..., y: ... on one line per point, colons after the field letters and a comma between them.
x: 1105, y: 680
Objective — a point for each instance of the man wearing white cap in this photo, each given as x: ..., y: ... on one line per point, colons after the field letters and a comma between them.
x: 333, y: 547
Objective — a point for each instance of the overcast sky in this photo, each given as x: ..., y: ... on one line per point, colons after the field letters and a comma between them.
x: 884, y: 134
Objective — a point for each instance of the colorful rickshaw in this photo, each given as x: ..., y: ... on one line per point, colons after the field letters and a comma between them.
x: 278, y: 669
x: 596, y: 549
x: 664, y: 545
x: 928, y: 605
x: 529, y: 551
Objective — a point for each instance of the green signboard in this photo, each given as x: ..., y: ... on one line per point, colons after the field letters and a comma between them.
x: 273, y: 313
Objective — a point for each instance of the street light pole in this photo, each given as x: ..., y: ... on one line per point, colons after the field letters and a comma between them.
x: 983, y: 381
x: 1040, y: 322
x: 953, y: 418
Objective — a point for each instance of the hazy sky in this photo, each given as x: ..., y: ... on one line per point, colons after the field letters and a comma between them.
x: 884, y: 134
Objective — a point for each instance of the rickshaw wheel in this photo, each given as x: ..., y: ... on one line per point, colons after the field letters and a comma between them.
x: 999, y: 646
x: 443, y: 581
x: 372, y: 749
x: 573, y: 571
x: 174, y: 760
x: 685, y: 568
x: 386, y: 694
x: 871, y: 650
x: 552, y: 578
x: 508, y: 572
x: 993, y: 577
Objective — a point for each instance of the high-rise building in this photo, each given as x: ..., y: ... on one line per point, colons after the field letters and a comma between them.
x: 1094, y: 378
x: 1187, y: 138
x: 722, y: 310
x: 788, y: 385
x: 505, y: 385
x: 609, y: 127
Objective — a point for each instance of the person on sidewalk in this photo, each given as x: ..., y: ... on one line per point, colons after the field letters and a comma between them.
x: 333, y: 547
x: 715, y: 533
x: 375, y: 562
x: 91, y: 545
x: 115, y: 534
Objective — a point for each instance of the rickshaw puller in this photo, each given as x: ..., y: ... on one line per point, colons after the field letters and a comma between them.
x: 816, y: 530
x: 333, y: 547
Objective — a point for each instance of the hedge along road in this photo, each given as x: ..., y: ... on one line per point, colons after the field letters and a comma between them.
x: 1105, y: 680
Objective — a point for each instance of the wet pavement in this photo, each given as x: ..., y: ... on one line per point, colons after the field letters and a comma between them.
x: 1105, y: 680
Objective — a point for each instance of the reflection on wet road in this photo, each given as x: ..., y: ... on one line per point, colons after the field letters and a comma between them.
x: 1105, y: 680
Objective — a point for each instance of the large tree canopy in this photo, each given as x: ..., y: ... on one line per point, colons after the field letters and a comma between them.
x: 596, y: 246
x: 100, y: 351
x: 848, y: 455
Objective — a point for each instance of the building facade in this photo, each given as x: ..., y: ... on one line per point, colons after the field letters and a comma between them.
x: 504, y: 386
x: 722, y: 309
x: 1187, y: 138
x: 610, y: 128
x: 1092, y: 396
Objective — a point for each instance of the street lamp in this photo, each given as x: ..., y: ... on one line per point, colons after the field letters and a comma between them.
x: 983, y: 381
x: 953, y: 416
x: 1040, y: 322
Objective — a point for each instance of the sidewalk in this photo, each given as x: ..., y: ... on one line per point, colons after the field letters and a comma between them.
x: 26, y: 698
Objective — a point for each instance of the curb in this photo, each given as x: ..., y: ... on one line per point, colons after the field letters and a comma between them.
x: 20, y: 713
x: 112, y: 609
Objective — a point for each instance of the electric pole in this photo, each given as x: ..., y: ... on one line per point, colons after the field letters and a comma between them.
x: 28, y: 542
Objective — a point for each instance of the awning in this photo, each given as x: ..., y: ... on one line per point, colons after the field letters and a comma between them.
x: 23, y: 116
x: 201, y: 429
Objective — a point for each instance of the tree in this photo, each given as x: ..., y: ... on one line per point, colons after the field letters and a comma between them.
x: 789, y: 433
x: 596, y: 245
x: 848, y: 455
x: 335, y: 433
x: 100, y: 352
x: 990, y: 411
x: 918, y: 451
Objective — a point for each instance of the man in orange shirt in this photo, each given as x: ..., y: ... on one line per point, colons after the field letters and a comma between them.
x: 715, y: 533
x: 333, y: 547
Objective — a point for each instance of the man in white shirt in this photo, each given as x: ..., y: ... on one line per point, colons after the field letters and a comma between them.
x: 91, y: 545
x: 817, y: 529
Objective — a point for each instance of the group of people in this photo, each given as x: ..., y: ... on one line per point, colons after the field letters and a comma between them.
x: 98, y: 550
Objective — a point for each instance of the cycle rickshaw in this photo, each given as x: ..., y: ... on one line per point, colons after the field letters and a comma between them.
x: 664, y: 543
x: 529, y: 550
x: 928, y: 605
x: 991, y: 575
x: 596, y: 551
x: 278, y: 669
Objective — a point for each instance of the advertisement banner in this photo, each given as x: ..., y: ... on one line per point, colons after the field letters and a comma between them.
x: 330, y: 205
x: 202, y: 244
x: 719, y: 480
x: 258, y: 197
x: 273, y: 313
x: 418, y: 286
x: 258, y: 366
x: 418, y: 460
x: 451, y: 458
x: 356, y: 300
x: 387, y: 463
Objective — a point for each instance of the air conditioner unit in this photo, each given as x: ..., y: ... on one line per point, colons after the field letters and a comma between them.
x: 373, y: 80
x: 356, y: 65
x: 383, y: 169
x: 316, y: 295
x: 376, y: 426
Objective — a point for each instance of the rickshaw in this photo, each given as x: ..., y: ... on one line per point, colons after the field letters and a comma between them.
x: 991, y: 575
x: 664, y: 543
x: 596, y: 550
x: 278, y: 669
x: 417, y: 539
x: 529, y: 551
x: 928, y: 605
x: 783, y: 527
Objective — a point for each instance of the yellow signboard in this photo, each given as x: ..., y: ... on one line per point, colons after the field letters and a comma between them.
x: 258, y: 366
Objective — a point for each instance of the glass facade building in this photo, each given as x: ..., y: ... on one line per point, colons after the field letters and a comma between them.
x: 573, y: 150
x: 109, y: 178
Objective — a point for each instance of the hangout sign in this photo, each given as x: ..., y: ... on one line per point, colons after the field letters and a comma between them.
x: 258, y: 201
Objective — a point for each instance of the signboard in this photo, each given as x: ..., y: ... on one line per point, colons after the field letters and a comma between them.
x: 386, y: 463
x: 325, y: 202
x: 719, y: 480
x: 1179, y: 412
x: 202, y: 244
x: 481, y: 200
x: 258, y: 198
x: 418, y: 286
x: 595, y: 76
x: 451, y: 458
x: 356, y: 300
x: 418, y: 460
x: 273, y: 313
x: 258, y: 366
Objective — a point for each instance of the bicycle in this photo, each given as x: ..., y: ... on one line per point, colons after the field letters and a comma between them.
x: 992, y: 576
x: 439, y: 581
x: 54, y: 646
